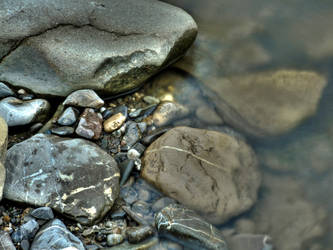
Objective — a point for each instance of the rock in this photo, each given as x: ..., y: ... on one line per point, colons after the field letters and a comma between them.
x: 90, y: 124
x: 208, y: 115
x: 63, y: 131
x: 6, y: 242
x: 132, y: 136
x: 250, y: 242
x: 281, y: 213
x: 43, y: 213
x: 114, y: 122
x: 114, y: 239
x: 189, y: 228
x: 151, y: 99
x: 138, y: 234
x: 85, y: 98
x: 167, y: 112
x: 54, y: 235
x: 3, y: 139
x: 76, y: 170
x: 68, y: 117
x: 25, y: 245
x: 5, y: 91
x: 126, y: 168
x: 210, y: 172
x: 17, y: 112
x: 162, y: 203
x: 268, y: 103
x: 27, y: 231
x: 109, y: 46
x: 148, y: 139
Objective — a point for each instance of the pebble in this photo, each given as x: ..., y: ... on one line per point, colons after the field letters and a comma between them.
x: 63, y: 131
x: 25, y: 245
x: 126, y: 168
x: 142, y: 127
x: 43, y: 213
x: 114, y: 122
x: 151, y: 100
x: 68, y: 117
x: 148, y: 139
x: 90, y: 124
x: 17, y: 112
x: 135, y: 113
x: 85, y: 98
x: 5, y: 91
x: 26, y: 231
x: 132, y: 136
x: 138, y: 234
x: 121, y: 109
x: 37, y: 126
x: 168, y: 112
x: 107, y: 113
x: 6, y: 241
x: 114, y: 239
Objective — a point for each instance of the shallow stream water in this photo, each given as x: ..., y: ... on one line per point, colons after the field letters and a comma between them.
x: 238, y: 37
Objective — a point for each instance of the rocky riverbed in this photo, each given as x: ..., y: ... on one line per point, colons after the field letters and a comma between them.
x: 109, y: 141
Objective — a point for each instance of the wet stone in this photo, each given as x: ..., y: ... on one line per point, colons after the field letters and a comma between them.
x: 68, y: 117
x: 3, y: 139
x: 5, y: 91
x: 126, y: 168
x: 91, y: 171
x: 27, y: 231
x: 90, y: 124
x: 54, y: 235
x: 17, y: 112
x: 138, y: 234
x: 43, y: 213
x: 143, y: 127
x: 148, y: 139
x: 107, y: 114
x: 162, y: 203
x: 151, y: 100
x: 190, y: 229
x: 63, y: 131
x: 114, y: 239
x: 85, y: 98
x: 123, y: 109
x: 168, y: 112
x: 6, y: 242
x: 135, y: 113
x: 114, y: 122
x: 132, y: 136
x: 25, y: 245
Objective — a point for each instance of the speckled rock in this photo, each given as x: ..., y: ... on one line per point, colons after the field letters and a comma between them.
x: 5, y: 91
x: 75, y: 169
x: 110, y: 46
x: 90, y: 124
x: 189, y: 228
x: 17, y: 112
x: 54, y: 235
x: 267, y: 103
x: 85, y: 98
x: 210, y: 172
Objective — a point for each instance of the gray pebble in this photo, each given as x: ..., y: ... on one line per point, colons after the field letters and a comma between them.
x: 68, y: 117
x: 114, y: 239
x: 5, y: 91
x: 44, y: 213
x: 138, y: 234
x: 63, y: 131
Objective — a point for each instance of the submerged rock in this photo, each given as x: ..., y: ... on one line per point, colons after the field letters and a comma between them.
x: 269, y: 103
x: 55, y: 235
x: 210, y: 172
x: 110, y: 46
x: 189, y: 228
x: 17, y: 112
x: 82, y: 180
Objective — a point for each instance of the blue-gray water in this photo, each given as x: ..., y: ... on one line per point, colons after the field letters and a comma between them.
x: 239, y: 37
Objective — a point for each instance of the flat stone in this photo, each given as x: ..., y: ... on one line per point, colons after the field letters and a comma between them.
x: 17, y: 112
x: 85, y: 98
x: 267, y: 103
x: 68, y: 117
x: 189, y: 228
x: 90, y: 124
x: 213, y: 173
x: 6, y: 242
x: 43, y: 213
x: 109, y: 46
x: 5, y: 91
x: 114, y: 122
x: 55, y: 235
x: 82, y: 179
x: 63, y: 131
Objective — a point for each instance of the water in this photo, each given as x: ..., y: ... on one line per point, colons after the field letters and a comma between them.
x: 237, y: 37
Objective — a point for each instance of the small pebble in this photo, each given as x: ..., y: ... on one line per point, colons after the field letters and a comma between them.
x: 6, y: 242
x: 62, y: 131
x: 68, y: 117
x: 151, y: 100
x: 85, y: 98
x: 126, y: 168
x: 114, y: 239
x: 44, y: 213
x: 114, y: 122
x: 138, y: 234
x: 37, y: 126
x: 25, y: 245
x: 90, y: 124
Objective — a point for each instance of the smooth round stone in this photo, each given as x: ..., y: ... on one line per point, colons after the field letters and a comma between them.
x: 85, y: 98
x: 63, y: 131
x: 168, y: 112
x: 114, y: 239
x: 43, y: 213
x: 68, y: 117
x: 17, y: 112
x: 114, y: 122
x: 5, y: 91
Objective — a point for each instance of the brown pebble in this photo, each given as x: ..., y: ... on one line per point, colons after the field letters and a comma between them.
x: 114, y: 122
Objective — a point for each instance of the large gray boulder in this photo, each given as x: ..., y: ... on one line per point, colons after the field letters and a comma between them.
x: 73, y: 176
x: 109, y: 46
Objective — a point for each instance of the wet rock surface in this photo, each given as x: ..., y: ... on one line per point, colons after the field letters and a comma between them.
x: 68, y: 117
x: 90, y: 124
x: 85, y: 98
x: 125, y: 42
x: 6, y: 241
x: 17, y: 112
x: 75, y: 169
x: 210, y: 172
x: 188, y: 227
x: 5, y: 91
x: 55, y: 235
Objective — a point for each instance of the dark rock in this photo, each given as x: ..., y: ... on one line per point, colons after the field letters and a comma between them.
x: 62, y: 131
x: 132, y: 136
x: 29, y: 229
x: 147, y: 140
x: 147, y: 111
x: 6, y: 242
x: 107, y: 114
x: 138, y: 234
x: 111, y: 46
x: 68, y: 117
x: 17, y: 112
x: 126, y: 168
x: 135, y: 113
x: 120, y: 157
x: 76, y: 171
x: 129, y: 194
x: 44, y: 213
x: 121, y: 109
x: 190, y: 229
x: 5, y: 91
x: 25, y: 245
x: 90, y: 124
x: 162, y: 203
x: 210, y: 172
x: 54, y: 235
x: 85, y: 98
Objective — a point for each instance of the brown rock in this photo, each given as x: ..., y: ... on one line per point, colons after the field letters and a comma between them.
x: 3, y: 139
x: 168, y: 112
x: 90, y: 124
x: 114, y: 122
x: 210, y: 172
